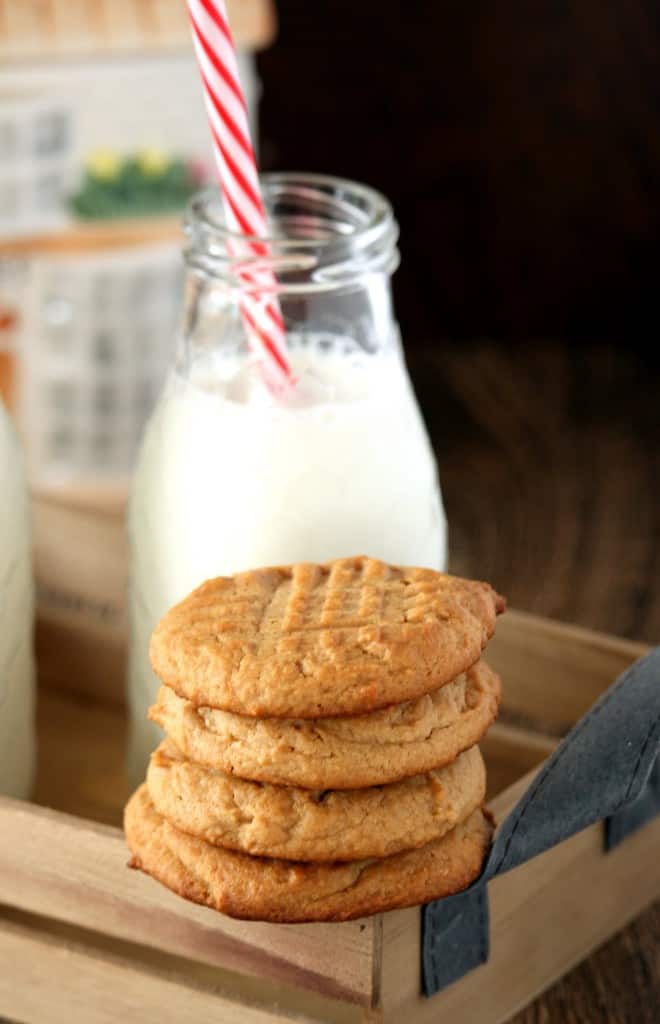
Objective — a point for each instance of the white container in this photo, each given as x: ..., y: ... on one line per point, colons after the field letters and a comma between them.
x: 231, y: 477
x: 17, y: 741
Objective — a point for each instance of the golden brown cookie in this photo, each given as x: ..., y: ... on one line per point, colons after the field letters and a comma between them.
x: 313, y: 825
x: 259, y: 888
x: 337, y: 753
x: 310, y: 641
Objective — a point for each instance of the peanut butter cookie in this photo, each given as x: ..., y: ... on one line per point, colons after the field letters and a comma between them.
x: 313, y: 825
x: 310, y: 641
x: 279, y: 890
x: 337, y: 753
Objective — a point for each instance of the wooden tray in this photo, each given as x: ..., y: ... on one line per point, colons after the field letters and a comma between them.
x: 82, y: 937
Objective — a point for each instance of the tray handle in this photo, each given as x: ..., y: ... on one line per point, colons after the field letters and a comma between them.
x: 606, y: 768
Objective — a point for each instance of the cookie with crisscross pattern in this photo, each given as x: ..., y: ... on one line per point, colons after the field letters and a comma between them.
x: 306, y: 641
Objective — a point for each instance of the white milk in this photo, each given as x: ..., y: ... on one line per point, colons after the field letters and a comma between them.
x: 17, y: 746
x: 228, y: 479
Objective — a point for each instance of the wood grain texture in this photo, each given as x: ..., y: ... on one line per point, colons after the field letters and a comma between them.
x: 550, y: 467
x: 77, y: 982
x: 101, y: 955
x: 81, y: 570
x: 86, y: 778
x: 75, y: 871
x: 537, y: 658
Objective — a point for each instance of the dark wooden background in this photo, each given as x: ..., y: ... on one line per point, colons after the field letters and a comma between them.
x: 520, y: 145
x: 519, y: 142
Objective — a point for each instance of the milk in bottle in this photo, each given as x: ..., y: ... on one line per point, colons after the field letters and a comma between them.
x: 231, y: 476
x: 17, y: 745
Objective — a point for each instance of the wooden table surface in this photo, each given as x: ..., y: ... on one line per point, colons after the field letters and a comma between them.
x: 550, y: 469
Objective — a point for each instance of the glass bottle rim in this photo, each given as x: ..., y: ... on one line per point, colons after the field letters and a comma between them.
x: 325, y: 231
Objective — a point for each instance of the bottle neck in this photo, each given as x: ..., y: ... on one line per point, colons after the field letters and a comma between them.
x: 329, y: 258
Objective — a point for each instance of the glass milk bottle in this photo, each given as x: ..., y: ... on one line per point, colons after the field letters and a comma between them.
x: 17, y: 742
x: 231, y: 477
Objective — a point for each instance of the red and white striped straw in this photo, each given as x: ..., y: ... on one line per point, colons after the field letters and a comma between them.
x: 239, y: 182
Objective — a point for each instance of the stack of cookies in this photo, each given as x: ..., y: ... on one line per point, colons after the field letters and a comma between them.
x: 321, y: 760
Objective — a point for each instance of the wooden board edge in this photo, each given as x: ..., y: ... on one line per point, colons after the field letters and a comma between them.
x: 537, y: 656
x: 515, y: 620
x: 45, y: 978
x: 83, y: 880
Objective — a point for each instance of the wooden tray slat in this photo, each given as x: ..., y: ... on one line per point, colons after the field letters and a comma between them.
x: 76, y: 983
x: 75, y: 871
x: 553, y: 672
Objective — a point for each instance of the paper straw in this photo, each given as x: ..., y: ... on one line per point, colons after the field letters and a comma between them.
x: 239, y: 184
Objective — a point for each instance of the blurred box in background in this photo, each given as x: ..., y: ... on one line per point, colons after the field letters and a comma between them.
x: 88, y: 313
